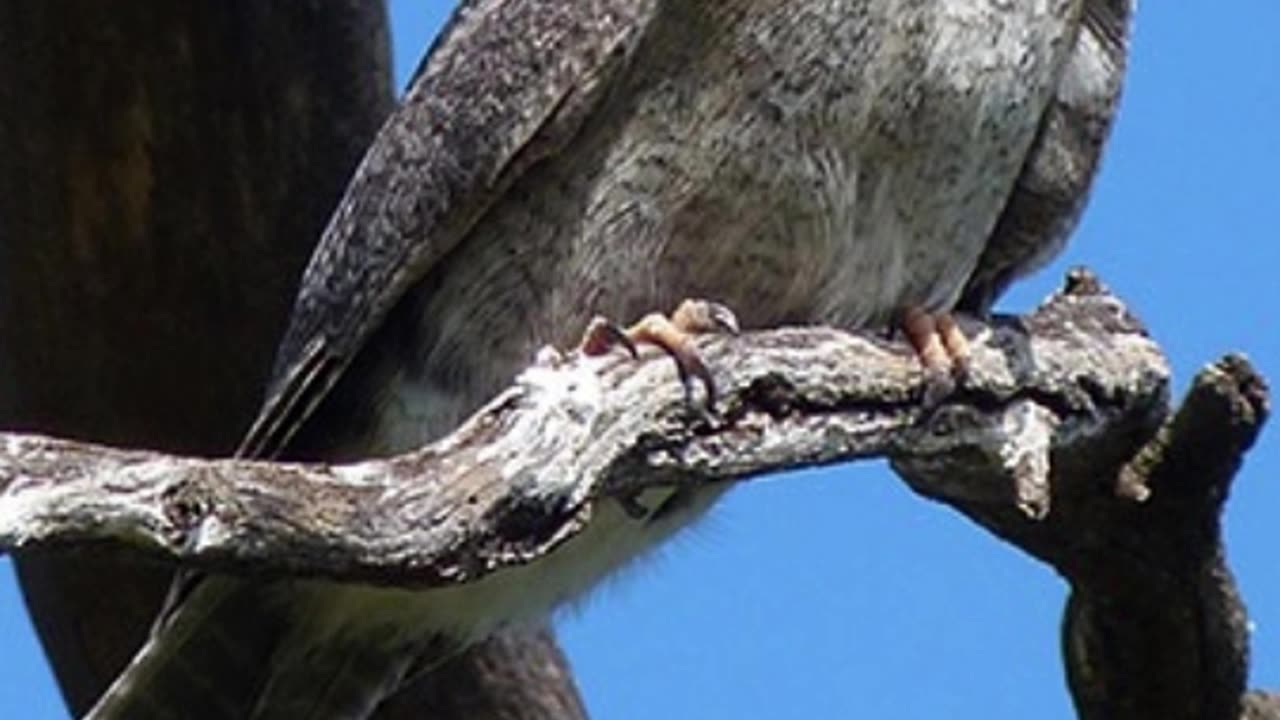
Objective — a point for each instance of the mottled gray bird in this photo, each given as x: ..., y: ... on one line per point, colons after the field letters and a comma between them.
x: 847, y: 162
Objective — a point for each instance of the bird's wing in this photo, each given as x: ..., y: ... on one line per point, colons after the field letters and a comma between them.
x: 507, y: 83
x: 1051, y: 191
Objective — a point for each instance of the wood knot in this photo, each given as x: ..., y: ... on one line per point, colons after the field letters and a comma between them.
x: 772, y: 393
x: 185, y: 505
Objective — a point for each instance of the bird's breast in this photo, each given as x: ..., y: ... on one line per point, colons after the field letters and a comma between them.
x: 801, y: 160
x: 824, y: 161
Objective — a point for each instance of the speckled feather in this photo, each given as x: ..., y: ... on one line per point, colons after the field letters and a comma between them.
x: 801, y: 160
x: 506, y: 84
x: 1054, y: 184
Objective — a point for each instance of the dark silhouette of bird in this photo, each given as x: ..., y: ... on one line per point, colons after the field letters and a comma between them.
x: 859, y: 163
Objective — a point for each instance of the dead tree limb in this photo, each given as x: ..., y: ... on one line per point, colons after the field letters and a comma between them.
x: 526, y: 472
x: 166, y: 169
x: 1059, y: 439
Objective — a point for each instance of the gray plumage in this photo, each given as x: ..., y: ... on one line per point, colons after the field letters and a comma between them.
x: 800, y: 160
x: 1052, y: 188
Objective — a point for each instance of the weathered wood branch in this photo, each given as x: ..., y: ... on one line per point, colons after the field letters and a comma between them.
x: 526, y: 472
x: 166, y: 169
x: 1059, y: 439
x: 1150, y: 586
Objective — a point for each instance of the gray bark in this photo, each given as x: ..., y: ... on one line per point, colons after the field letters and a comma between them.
x: 1059, y: 440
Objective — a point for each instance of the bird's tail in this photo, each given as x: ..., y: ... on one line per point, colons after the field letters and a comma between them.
x: 205, y: 661
x: 234, y: 650
x: 350, y: 683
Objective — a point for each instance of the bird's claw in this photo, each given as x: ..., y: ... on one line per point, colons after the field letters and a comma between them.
x: 602, y: 335
x: 941, y: 346
x: 674, y: 335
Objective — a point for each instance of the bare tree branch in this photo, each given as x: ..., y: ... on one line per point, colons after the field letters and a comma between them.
x: 1261, y: 706
x: 1059, y: 439
x: 167, y: 168
x: 1150, y: 586
x: 526, y: 472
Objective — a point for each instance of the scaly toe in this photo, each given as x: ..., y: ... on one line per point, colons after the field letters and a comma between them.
x: 673, y: 335
x: 938, y: 342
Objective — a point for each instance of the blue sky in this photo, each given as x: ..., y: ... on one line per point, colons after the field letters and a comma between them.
x: 837, y: 592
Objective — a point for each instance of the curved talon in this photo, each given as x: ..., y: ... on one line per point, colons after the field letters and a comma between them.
x: 673, y: 336
x: 602, y: 335
x: 677, y: 342
x: 695, y: 316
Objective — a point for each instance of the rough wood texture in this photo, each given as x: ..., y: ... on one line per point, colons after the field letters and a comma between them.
x: 1150, y: 587
x: 165, y: 170
x: 526, y: 472
x: 1059, y: 440
x: 158, y: 199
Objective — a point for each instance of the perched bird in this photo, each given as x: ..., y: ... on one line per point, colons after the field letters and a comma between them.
x: 849, y: 162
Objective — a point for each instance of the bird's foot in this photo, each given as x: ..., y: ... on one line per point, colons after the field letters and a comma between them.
x: 674, y: 335
x: 941, y: 346
x: 937, y: 340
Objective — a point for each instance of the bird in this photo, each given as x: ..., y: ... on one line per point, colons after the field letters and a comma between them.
x: 864, y: 164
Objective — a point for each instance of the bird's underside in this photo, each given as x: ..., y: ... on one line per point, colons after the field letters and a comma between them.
x: 801, y: 161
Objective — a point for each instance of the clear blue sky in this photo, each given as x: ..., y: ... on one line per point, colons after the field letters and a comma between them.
x: 841, y: 594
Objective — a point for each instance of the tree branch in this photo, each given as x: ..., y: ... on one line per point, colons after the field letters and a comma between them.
x: 526, y: 472
x: 1058, y: 439
x: 167, y: 168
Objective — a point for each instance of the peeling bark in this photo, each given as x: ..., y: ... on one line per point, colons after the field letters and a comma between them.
x: 1059, y: 440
